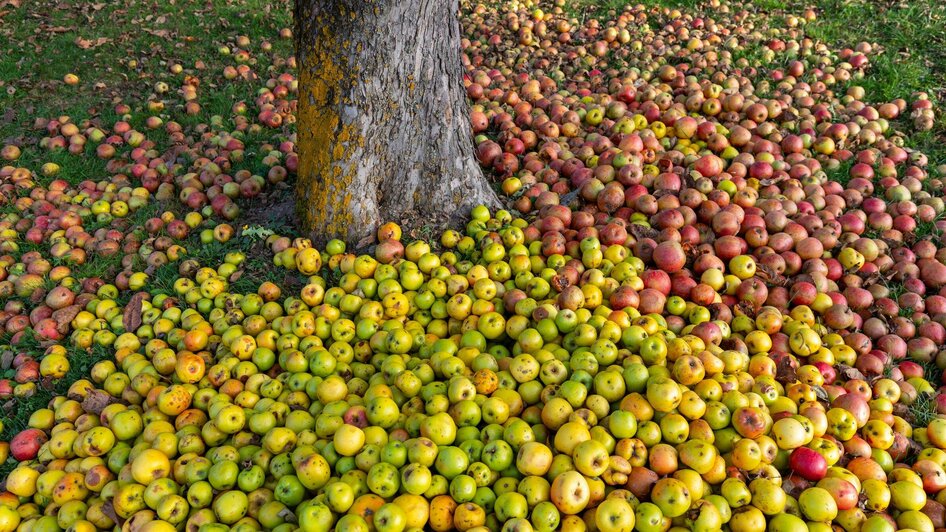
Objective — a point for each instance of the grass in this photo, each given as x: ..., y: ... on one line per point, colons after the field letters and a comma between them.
x: 93, y: 40
x: 923, y: 410
x: 75, y: 169
x: 120, y: 51
x: 895, y: 289
x: 928, y: 230
x: 909, y: 34
x: 81, y: 362
x: 163, y: 278
x: 912, y: 57
x: 841, y: 173
x: 585, y: 9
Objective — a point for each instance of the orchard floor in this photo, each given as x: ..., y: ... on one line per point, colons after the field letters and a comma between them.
x: 201, y: 64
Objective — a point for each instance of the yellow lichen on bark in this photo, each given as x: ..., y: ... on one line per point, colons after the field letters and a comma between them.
x: 326, y: 144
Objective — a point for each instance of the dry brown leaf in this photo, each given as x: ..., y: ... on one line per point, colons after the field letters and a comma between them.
x: 109, y: 509
x: 784, y: 371
x: 85, y: 44
x: 64, y: 317
x: 96, y: 401
x: 641, y: 232
x: 131, y: 319
x: 6, y: 359
x: 158, y: 33
x: 366, y: 241
x: 849, y: 373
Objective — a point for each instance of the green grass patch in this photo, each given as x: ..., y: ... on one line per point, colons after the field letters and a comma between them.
x: 120, y: 51
x: 923, y: 410
x: 841, y: 173
x: 909, y: 55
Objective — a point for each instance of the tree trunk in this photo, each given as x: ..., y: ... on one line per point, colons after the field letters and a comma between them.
x: 383, y: 128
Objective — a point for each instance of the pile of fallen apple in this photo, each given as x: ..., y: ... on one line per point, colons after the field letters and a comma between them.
x: 717, y: 301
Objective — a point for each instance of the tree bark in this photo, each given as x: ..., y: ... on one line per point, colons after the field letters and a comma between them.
x: 383, y: 128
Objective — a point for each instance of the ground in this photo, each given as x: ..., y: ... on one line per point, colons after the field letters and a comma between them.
x: 220, y: 54
x: 99, y: 42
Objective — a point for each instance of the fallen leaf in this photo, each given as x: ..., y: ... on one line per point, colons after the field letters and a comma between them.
x: 109, y: 509
x: 570, y: 197
x: 773, y: 181
x: 641, y: 232
x: 158, y: 33
x: 287, y: 515
x: 64, y: 317
x: 368, y: 240
x: 902, y: 410
x: 85, y: 44
x: 96, y: 401
x: 849, y: 373
x: 131, y: 319
x: 784, y: 371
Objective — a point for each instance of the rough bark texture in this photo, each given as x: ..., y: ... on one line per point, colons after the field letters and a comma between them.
x: 383, y: 128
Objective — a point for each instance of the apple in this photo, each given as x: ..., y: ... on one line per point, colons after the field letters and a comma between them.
x: 808, y: 463
x: 570, y: 492
x: 671, y: 496
x: 818, y: 505
x: 614, y: 514
x: 26, y: 444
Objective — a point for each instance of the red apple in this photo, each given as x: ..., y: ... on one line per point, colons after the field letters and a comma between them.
x: 808, y: 463
x: 26, y: 444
